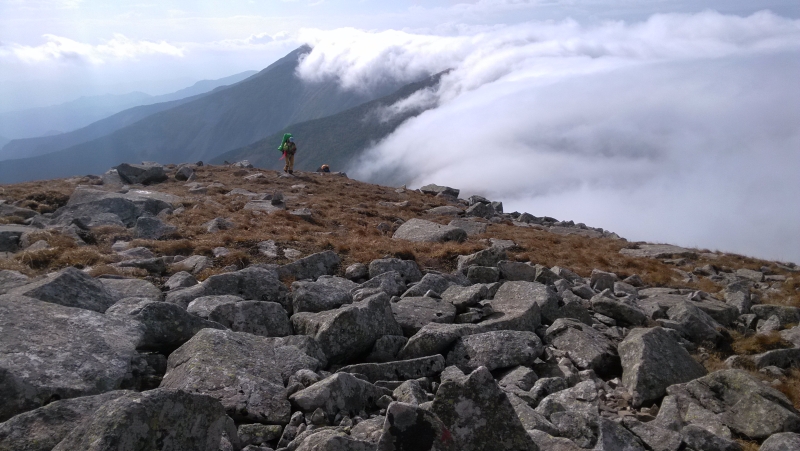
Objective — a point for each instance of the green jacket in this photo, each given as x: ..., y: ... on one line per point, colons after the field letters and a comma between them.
x: 290, y: 148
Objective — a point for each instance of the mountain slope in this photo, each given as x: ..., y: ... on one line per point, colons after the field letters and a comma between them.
x: 115, y: 120
x: 334, y: 140
x: 81, y: 112
x: 223, y: 120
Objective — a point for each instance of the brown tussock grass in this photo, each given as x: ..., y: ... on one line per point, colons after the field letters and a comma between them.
x: 757, y: 343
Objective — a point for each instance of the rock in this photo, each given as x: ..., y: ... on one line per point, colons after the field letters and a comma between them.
x: 180, y: 279
x: 149, y: 228
x: 420, y: 230
x: 784, y: 441
x: 652, y: 360
x: 659, y: 251
x: 410, y: 428
x: 328, y: 439
x: 529, y: 418
x: 545, y: 297
x: 128, y: 207
x: 247, y: 373
x: 266, y: 319
x: 445, y: 210
x: 390, y: 283
x: 587, y: 348
x: 151, y: 265
x: 430, y: 282
x: 624, y: 314
x: 43, y: 428
x: 697, y: 437
x: 357, y: 272
x: 755, y: 276
x: 791, y: 335
x: 131, y: 288
x: 493, y: 350
x: 311, y: 267
x: 341, y: 392
x: 520, y: 377
x: 203, y: 306
x: 193, y: 264
x: 369, y: 430
x: 10, y: 236
x: 470, y: 226
x: 693, y: 323
x: 785, y: 314
x: 480, y: 210
x: 781, y: 358
x: 350, y: 330
x: 463, y: 297
x: 251, y: 283
x: 545, y: 441
x: 654, y: 437
x: 217, y: 224
x: 487, y: 257
x: 602, y: 280
x: 478, y: 414
x: 69, y: 287
x: 408, y: 269
x: 183, y: 173
x: 742, y: 403
x: 325, y: 294
x: 11, y: 279
x: 166, y: 326
x: 386, y: 348
x: 257, y: 434
x: 155, y: 419
x: 410, y: 392
x: 74, y: 352
x: 437, y: 189
x: 483, y: 274
x: 398, y: 370
x: 515, y: 307
x: 582, y: 399
x: 614, y: 437
x: 412, y: 313
x: 141, y: 174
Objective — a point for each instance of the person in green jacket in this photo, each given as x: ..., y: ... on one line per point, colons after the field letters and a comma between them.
x: 288, y: 148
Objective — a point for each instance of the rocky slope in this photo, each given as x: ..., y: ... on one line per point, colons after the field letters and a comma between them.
x: 227, y: 308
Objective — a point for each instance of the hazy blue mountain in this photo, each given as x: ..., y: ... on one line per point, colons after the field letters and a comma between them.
x: 69, y: 116
x: 3, y: 141
x: 203, y: 127
x: 334, y: 140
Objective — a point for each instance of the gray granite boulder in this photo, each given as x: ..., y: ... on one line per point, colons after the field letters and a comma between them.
x: 253, y: 283
x: 10, y: 235
x: 43, y: 428
x: 478, y: 414
x: 267, y: 319
x: 156, y: 419
x: 11, y: 279
x: 652, y: 360
x: 740, y: 401
x: 437, y: 283
x: 151, y: 228
x: 438, y: 189
x: 131, y: 288
x: 694, y: 324
x: 398, y: 370
x: 69, y: 287
x: 410, y: 392
x: 350, y: 330
x: 85, y: 204
x: 166, y: 326
x: 247, y: 373
x: 410, y: 428
x: 464, y: 297
x: 517, y: 271
x: 325, y: 293
x: 656, y: 438
x: 144, y: 174
x: 203, y: 306
x: 784, y: 441
x: 48, y: 352
x: 311, y: 267
x: 785, y: 314
x: 470, y: 226
x: 587, y: 348
x: 493, y: 350
x: 698, y: 437
x: 390, y: 283
x: 340, y: 392
x: 420, y: 230
x: 412, y: 313
x: 487, y: 257
x: 408, y: 269
x: 625, y: 314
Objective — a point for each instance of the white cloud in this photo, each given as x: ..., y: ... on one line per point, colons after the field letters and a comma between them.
x: 58, y: 48
x: 681, y: 128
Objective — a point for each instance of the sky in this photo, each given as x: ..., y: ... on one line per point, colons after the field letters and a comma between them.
x: 663, y: 121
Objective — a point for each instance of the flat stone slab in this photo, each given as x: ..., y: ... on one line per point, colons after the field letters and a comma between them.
x: 399, y: 370
x: 659, y: 251
x: 420, y: 230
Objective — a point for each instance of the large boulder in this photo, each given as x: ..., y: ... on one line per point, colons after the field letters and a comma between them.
x: 10, y: 235
x: 92, y: 205
x: 741, y: 402
x: 487, y: 257
x: 497, y: 349
x: 350, y: 330
x: 623, y: 313
x: 412, y: 313
x: 150, y: 228
x: 11, y: 279
x: 247, y: 373
x: 43, y: 428
x: 652, y: 360
x: 398, y: 370
x: 693, y: 323
x: 253, y: 283
x: 785, y: 441
x: 341, y: 392
x: 131, y: 288
x: 49, y: 352
x: 406, y: 268
x: 166, y: 326
x: 420, y: 230
x: 410, y: 428
x: 267, y: 319
x: 143, y: 174
x: 69, y: 287
x: 515, y: 308
x: 156, y: 419
x: 325, y: 294
x: 439, y: 189
x: 437, y: 283
x: 311, y: 267
x: 587, y: 348
x: 542, y: 295
x: 390, y: 283
x: 478, y: 414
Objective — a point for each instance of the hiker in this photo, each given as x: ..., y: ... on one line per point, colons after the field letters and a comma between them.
x: 324, y: 168
x: 288, y: 148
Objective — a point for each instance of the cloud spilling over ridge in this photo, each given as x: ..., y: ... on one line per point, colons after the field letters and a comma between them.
x: 682, y: 128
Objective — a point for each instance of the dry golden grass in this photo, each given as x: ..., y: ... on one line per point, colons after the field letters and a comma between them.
x: 748, y: 445
x: 758, y: 343
x: 790, y: 386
